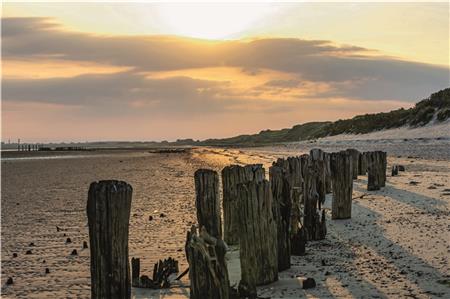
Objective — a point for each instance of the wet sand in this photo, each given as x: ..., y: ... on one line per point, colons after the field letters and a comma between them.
x: 396, y: 244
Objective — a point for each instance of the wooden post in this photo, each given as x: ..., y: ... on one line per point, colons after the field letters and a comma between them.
x: 313, y: 222
x: 207, y: 201
x: 328, y: 183
x: 354, y: 154
x: 135, y: 272
x: 362, y: 164
x: 231, y: 177
x: 258, y: 237
x: 373, y: 170
x: 281, y: 209
x: 383, y: 167
x: 394, y: 170
x: 341, y: 170
x: 317, y: 157
x: 108, y: 212
x: 292, y: 168
x: 208, y: 272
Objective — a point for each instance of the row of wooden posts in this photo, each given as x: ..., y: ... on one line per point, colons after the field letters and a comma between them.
x: 29, y: 147
x: 270, y: 220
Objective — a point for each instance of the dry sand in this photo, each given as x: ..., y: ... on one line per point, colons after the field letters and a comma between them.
x: 396, y: 245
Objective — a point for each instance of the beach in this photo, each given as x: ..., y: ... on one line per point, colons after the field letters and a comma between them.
x: 396, y: 245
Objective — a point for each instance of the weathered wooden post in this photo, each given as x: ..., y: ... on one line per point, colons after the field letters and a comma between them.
x: 373, y: 170
x: 258, y: 237
x: 135, y: 272
x: 207, y: 201
x: 281, y: 209
x: 354, y: 154
x: 328, y: 183
x: 341, y: 172
x: 208, y: 272
x: 383, y: 167
x: 313, y: 222
x: 231, y: 177
x: 317, y: 157
x: 108, y: 212
x: 394, y: 170
x: 362, y: 163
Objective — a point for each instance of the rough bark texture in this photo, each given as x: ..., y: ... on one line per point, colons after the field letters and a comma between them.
x: 207, y: 201
x: 292, y: 168
x: 258, y: 236
x: 108, y: 212
x: 341, y: 170
x: 354, y: 155
x: 383, y: 161
x: 208, y: 272
x: 281, y: 209
x: 231, y: 177
x: 312, y: 221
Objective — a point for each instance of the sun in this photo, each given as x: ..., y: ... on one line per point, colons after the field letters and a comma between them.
x: 211, y: 21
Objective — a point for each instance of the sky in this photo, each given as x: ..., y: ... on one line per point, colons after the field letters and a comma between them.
x: 164, y: 71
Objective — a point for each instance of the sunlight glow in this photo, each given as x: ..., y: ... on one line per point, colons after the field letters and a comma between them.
x: 211, y: 21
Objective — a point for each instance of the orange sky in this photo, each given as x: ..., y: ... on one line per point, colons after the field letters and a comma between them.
x: 82, y: 72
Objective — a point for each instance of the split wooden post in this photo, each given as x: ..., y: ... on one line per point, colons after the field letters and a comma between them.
x: 207, y: 201
x: 281, y: 209
x: 354, y: 154
x: 258, y: 237
x: 231, y: 177
x: 208, y: 272
x: 313, y: 221
x: 108, y: 212
x: 394, y: 170
x: 341, y: 171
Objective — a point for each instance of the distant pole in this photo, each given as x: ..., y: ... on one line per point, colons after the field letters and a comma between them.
x: 18, y: 144
x: 108, y: 212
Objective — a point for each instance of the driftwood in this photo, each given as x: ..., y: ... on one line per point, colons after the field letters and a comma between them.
x: 108, y: 212
x: 341, y: 170
x: 208, y: 272
x: 281, y: 209
x: 354, y: 155
x: 161, y: 272
x: 207, y: 201
x: 231, y: 177
x: 258, y: 237
x: 313, y: 222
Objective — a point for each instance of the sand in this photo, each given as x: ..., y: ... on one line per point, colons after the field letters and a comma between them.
x: 396, y: 244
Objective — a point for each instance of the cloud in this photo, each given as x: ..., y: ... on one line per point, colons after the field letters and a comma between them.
x: 254, y: 84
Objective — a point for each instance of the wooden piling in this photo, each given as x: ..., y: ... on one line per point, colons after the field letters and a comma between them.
x: 317, y: 158
x: 383, y: 166
x: 341, y: 170
x: 108, y: 212
x: 362, y: 164
x: 208, y: 272
x: 231, y: 177
x: 313, y: 222
x: 258, y: 236
x: 207, y: 201
x: 328, y: 181
x: 281, y: 209
x: 376, y: 169
x: 354, y: 155
x: 135, y: 272
x: 394, y: 170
